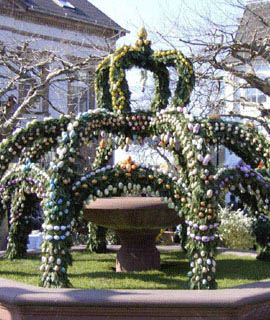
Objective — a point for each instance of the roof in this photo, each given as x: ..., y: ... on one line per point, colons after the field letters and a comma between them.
x: 84, y: 11
x: 255, y: 23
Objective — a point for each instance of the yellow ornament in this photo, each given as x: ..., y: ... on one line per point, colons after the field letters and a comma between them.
x: 201, y: 215
x: 142, y: 34
x: 249, y: 124
x: 102, y: 143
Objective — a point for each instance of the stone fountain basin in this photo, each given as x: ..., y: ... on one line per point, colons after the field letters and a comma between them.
x: 22, y: 301
x: 137, y: 221
x: 131, y: 213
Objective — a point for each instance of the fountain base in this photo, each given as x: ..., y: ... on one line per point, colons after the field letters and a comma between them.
x: 138, y: 221
x: 138, y: 251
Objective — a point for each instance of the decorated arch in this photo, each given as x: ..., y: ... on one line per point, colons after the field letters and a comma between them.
x: 193, y: 190
x: 22, y: 188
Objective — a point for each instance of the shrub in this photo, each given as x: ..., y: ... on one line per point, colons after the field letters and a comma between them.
x: 236, y: 229
x: 111, y: 237
x: 261, y: 230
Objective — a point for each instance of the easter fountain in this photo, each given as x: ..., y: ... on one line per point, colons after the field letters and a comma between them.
x: 193, y: 192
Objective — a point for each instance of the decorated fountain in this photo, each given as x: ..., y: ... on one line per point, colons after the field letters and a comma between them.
x: 193, y: 192
x: 137, y: 221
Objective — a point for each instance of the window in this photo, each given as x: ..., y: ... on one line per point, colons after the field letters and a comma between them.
x: 261, y: 68
x: 236, y: 99
x: 41, y: 103
x: 78, y: 98
x: 8, y: 106
x: 255, y: 95
x: 23, y: 89
x: 81, y: 96
x: 64, y: 4
x: 218, y: 155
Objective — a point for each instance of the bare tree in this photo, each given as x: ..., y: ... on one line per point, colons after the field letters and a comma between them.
x: 27, y: 75
x: 228, y: 42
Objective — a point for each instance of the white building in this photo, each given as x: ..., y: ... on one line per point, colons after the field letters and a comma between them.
x: 71, y: 29
x: 253, y: 27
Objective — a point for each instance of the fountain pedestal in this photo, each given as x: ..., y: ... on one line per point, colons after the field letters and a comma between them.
x: 138, y: 251
x: 137, y: 221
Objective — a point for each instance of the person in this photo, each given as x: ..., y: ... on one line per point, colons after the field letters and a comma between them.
x: 35, y: 223
x: 233, y: 203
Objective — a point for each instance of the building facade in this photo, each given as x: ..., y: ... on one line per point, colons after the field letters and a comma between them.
x: 248, y: 100
x: 72, y: 30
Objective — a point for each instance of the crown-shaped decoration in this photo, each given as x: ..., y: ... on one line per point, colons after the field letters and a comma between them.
x: 111, y: 87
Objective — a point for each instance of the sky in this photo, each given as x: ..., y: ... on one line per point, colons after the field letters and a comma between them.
x: 133, y: 14
x: 159, y: 15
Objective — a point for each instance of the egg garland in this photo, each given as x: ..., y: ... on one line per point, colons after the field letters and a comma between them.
x: 252, y: 186
x: 198, y: 144
x: 128, y: 178
x: 111, y: 87
x: 31, y: 142
x: 17, y: 188
x: 64, y: 165
x: 242, y: 139
x: 20, y: 226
